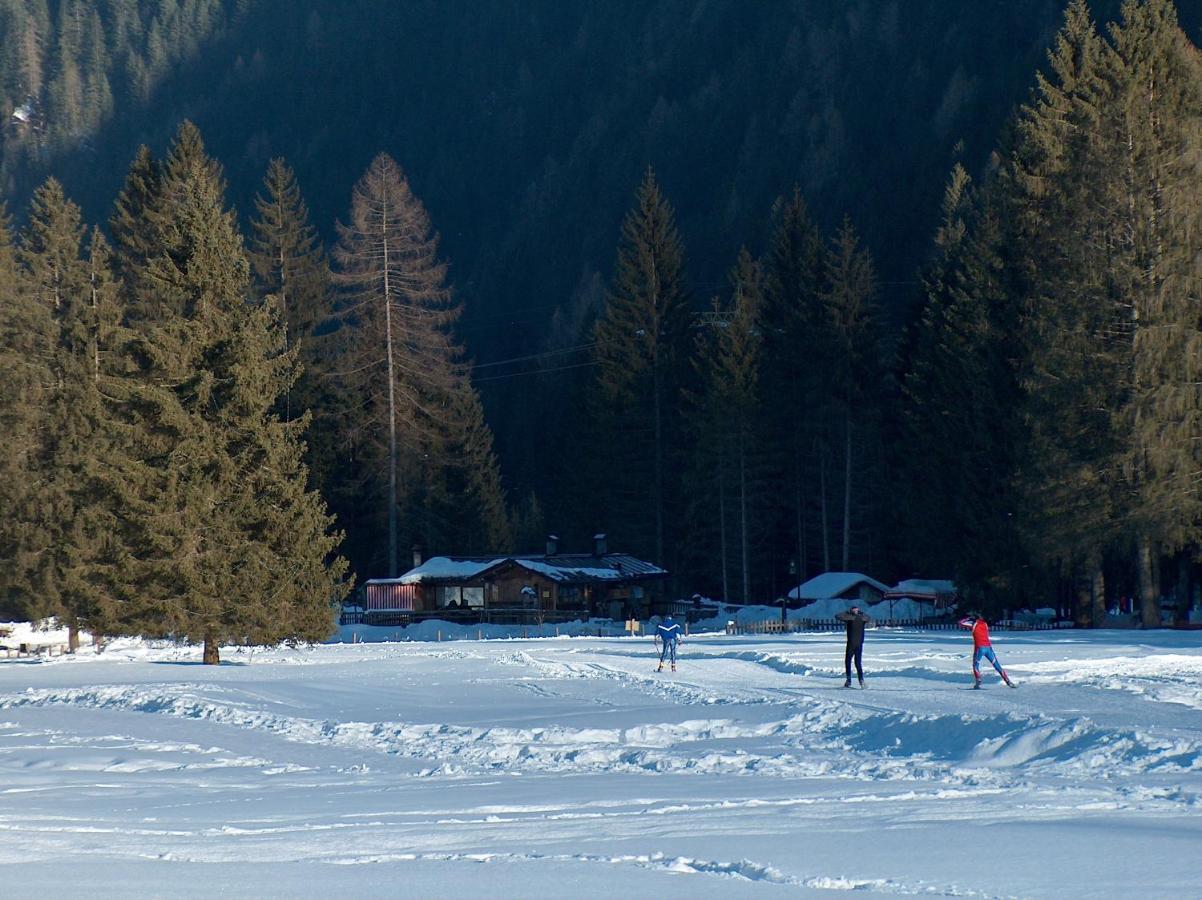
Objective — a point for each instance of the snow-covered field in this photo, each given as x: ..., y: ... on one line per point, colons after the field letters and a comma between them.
x: 567, y: 768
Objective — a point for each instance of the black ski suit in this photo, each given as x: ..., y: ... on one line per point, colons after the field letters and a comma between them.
x: 855, y: 623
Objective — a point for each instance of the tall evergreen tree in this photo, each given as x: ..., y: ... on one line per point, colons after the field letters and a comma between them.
x: 642, y: 351
x: 1076, y: 347
x: 49, y: 254
x: 290, y: 267
x: 961, y: 401
x: 727, y: 483
x: 854, y: 377
x: 129, y: 222
x: 228, y: 542
x: 1155, y: 124
x: 791, y: 323
x: 415, y: 434
x: 26, y: 379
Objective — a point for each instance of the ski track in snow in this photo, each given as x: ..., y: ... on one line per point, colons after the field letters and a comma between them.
x: 915, y: 751
x: 887, y: 744
x: 742, y: 870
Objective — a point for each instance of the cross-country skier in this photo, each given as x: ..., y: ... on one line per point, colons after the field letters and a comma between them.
x: 982, y: 648
x: 668, y: 633
x: 855, y: 622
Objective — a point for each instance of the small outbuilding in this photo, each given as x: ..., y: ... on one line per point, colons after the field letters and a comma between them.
x: 940, y: 594
x: 839, y: 586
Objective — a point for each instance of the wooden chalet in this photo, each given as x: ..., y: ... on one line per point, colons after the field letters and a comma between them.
x: 542, y: 587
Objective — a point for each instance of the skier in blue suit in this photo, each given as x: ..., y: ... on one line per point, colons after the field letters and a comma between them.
x: 668, y: 633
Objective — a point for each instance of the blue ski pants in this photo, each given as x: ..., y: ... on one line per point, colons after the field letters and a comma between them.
x: 987, y: 653
x: 669, y: 651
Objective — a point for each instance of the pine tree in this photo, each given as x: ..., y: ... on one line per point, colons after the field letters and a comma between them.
x: 129, y: 226
x: 229, y: 545
x: 49, y: 254
x: 927, y: 427
x: 854, y: 376
x: 1075, y: 346
x: 962, y: 401
x: 642, y: 356
x: 727, y: 465
x: 26, y: 379
x: 414, y: 428
x: 1155, y: 125
x: 792, y: 322
x: 290, y: 267
x: 1105, y: 183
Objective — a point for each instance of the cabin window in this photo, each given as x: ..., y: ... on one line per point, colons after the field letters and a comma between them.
x: 473, y: 597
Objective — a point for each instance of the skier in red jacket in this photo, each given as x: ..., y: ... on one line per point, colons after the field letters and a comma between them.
x: 982, y: 648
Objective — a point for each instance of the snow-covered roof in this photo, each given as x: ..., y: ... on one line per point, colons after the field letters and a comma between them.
x: 440, y: 567
x: 561, y: 567
x: 923, y: 588
x: 609, y: 567
x: 833, y: 584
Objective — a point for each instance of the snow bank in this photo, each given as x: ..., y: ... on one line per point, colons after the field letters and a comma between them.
x: 440, y: 630
x: 46, y: 633
x: 579, y: 770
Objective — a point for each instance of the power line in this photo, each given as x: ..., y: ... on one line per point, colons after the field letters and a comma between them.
x: 505, y: 362
x: 583, y: 365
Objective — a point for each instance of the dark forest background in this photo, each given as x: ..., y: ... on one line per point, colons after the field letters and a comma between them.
x: 526, y: 129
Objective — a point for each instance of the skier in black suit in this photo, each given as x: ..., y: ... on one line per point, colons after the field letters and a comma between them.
x: 855, y: 622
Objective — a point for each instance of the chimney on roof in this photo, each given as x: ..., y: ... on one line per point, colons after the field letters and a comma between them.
x: 552, y: 544
x: 600, y: 545
x: 417, y: 555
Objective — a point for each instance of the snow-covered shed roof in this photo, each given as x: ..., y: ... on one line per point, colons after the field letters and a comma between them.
x: 834, y: 584
x: 566, y: 568
x: 923, y: 588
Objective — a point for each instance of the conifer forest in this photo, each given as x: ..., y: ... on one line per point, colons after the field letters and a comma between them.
x: 758, y: 290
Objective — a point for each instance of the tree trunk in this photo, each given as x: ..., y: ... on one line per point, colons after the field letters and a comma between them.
x: 743, y: 523
x: 1082, y: 597
x: 1099, y: 596
x: 722, y: 535
x: 847, y: 498
x: 393, y: 455
x: 801, y: 536
x: 1184, y: 588
x: 211, y: 656
x: 72, y: 637
x: 826, y: 541
x: 1146, y: 585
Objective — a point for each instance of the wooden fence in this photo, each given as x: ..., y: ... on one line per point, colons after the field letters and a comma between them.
x: 776, y: 626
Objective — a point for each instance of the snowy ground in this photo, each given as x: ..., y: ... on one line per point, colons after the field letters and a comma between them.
x: 568, y: 768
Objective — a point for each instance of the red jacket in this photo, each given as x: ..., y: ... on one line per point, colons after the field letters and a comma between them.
x: 980, y: 631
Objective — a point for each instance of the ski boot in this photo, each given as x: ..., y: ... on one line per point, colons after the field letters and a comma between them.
x: 660, y: 667
x: 673, y: 667
x: 847, y: 683
x: 976, y: 685
x: 861, y: 684
x: 1009, y: 683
